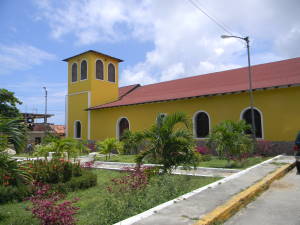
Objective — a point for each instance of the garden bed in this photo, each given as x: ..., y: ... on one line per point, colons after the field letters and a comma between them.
x: 98, y: 205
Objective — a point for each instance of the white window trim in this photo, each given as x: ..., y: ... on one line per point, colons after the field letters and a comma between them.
x: 72, y: 73
x: 75, y: 129
x: 261, y: 120
x: 195, y: 127
x: 117, y: 126
x: 87, y: 69
x: 96, y: 69
x: 115, y: 73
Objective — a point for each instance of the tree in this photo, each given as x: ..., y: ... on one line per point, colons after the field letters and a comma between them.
x: 13, y: 131
x: 170, y: 142
x: 8, y: 104
x: 108, y: 146
x: 230, y: 140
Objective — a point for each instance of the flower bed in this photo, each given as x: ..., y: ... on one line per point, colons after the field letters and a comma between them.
x: 104, y: 205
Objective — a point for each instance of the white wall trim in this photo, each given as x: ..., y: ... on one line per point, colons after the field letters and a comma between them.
x: 194, y: 124
x: 117, y: 126
x: 89, y: 116
x: 66, y: 114
x: 87, y: 69
x: 78, y: 93
x: 261, y: 119
x: 96, y: 69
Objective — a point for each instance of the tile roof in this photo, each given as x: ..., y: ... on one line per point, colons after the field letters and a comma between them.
x: 274, y: 74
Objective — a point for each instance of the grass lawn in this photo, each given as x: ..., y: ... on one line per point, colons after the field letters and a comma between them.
x: 98, y: 206
x: 215, y: 162
x: 118, y: 158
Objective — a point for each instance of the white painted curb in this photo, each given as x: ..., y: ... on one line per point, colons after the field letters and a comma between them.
x: 155, y: 209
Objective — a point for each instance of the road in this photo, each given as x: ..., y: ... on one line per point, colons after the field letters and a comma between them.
x: 279, y: 205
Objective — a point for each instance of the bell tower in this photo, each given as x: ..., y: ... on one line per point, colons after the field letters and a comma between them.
x: 92, y: 80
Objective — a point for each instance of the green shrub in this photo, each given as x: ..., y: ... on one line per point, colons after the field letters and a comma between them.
x: 11, y: 193
x: 86, y: 180
x: 54, y: 171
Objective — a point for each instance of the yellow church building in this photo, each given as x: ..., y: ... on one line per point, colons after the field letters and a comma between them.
x: 97, y: 108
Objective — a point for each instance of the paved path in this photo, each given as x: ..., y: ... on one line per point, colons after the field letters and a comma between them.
x: 199, y: 171
x: 280, y: 205
x: 189, y: 209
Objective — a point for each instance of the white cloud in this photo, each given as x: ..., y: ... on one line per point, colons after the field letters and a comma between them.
x: 21, y: 57
x: 185, y: 41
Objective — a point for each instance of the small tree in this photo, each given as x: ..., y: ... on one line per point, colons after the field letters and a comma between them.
x: 170, y: 142
x: 59, y: 146
x: 133, y: 141
x: 108, y: 146
x: 230, y: 140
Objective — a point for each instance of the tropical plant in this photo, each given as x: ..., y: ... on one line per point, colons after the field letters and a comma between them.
x: 59, y: 146
x: 170, y: 142
x: 133, y: 142
x: 12, y: 173
x: 13, y: 131
x: 108, y: 146
x: 230, y: 140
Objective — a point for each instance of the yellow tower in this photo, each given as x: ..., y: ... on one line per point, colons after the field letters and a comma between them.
x: 92, y: 80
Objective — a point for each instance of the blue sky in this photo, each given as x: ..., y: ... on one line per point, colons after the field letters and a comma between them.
x: 158, y: 40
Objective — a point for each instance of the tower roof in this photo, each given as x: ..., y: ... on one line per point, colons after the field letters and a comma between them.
x: 92, y: 51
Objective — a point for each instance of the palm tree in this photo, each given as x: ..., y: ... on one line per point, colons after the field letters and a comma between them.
x: 13, y: 130
x: 230, y: 140
x: 170, y: 141
x: 108, y: 146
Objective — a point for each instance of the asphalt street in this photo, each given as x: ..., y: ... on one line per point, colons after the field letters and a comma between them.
x: 279, y: 205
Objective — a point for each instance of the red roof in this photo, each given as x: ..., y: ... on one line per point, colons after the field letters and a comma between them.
x: 274, y: 74
x: 58, y: 129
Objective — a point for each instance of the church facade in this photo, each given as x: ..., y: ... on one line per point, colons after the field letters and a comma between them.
x: 97, y: 108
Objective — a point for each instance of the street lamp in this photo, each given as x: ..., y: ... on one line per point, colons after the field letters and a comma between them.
x: 45, y: 117
x: 246, y: 39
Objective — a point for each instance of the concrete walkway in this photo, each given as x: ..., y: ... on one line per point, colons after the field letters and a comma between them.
x: 191, y: 207
x: 199, y: 171
x: 277, y: 206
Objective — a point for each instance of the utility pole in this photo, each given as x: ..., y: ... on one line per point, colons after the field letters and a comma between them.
x: 45, y: 117
x: 246, y: 39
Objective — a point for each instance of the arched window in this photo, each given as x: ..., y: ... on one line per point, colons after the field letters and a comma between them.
x: 201, y: 124
x: 83, y: 69
x: 99, y: 70
x: 122, y: 127
x: 77, y: 129
x: 246, y: 115
x: 111, y: 73
x: 74, y: 72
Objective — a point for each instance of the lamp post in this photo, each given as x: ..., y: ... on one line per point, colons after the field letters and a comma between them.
x: 45, y: 117
x: 246, y: 39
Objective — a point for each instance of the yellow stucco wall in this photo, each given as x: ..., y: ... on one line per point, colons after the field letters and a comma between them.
x: 280, y: 113
x: 76, y: 104
x: 100, y: 91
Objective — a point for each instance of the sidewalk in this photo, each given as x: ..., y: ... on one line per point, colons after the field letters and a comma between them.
x: 278, y: 205
x: 191, y: 207
x: 199, y: 171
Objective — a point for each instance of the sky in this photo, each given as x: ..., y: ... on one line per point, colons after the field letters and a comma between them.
x: 158, y: 40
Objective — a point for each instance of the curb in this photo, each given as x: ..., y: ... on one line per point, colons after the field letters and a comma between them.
x: 224, y: 212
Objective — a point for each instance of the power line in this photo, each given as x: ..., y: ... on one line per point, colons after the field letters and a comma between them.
x: 222, y: 26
